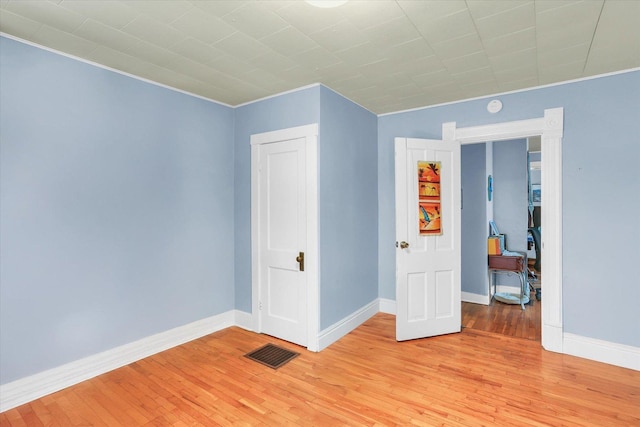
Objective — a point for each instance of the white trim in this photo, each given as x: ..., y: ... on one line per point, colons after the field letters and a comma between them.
x: 387, y: 306
x: 310, y: 133
x: 35, y: 386
x: 243, y: 320
x: 26, y: 389
x: 476, y: 298
x: 565, y: 82
x: 622, y: 355
x: 104, y: 67
x: 341, y: 328
x: 550, y: 128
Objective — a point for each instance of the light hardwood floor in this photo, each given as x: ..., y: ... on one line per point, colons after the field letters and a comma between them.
x: 366, y: 378
x: 505, y: 319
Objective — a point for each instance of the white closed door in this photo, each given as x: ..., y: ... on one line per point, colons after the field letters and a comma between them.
x: 428, y: 226
x: 283, y: 222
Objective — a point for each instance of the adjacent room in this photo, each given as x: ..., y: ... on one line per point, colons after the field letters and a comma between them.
x: 188, y: 186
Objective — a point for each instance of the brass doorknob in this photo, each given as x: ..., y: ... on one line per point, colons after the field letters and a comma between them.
x: 404, y: 245
x: 300, y: 260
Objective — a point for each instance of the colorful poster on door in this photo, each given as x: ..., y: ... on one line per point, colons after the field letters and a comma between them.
x: 429, y: 198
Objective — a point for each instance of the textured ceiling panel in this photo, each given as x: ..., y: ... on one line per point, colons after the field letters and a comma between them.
x: 387, y: 55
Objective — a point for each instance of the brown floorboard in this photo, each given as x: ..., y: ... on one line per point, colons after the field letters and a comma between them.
x: 365, y: 379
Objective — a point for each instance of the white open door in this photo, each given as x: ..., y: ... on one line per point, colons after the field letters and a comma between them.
x: 428, y: 239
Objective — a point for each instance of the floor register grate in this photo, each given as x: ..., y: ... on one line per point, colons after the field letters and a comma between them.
x: 272, y: 356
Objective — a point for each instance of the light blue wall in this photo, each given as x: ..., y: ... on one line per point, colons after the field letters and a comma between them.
x: 116, y: 210
x: 348, y: 207
x: 347, y: 146
x: 511, y: 201
x: 601, y: 152
x: 297, y: 108
x: 474, y: 219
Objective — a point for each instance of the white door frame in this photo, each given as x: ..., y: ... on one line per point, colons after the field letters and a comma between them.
x: 550, y: 128
x: 310, y: 133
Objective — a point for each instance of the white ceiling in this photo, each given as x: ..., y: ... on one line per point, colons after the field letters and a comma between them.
x: 386, y: 55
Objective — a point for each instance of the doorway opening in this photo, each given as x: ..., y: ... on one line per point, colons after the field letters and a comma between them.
x: 497, y: 186
x: 550, y: 129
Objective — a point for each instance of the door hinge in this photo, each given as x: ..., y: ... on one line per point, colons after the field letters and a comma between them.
x: 259, y: 305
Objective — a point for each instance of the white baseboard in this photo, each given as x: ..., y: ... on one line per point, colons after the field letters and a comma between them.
x: 475, y: 298
x: 33, y: 387
x: 36, y: 386
x: 341, y: 328
x: 387, y: 306
x: 622, y: 355
x: 243, y: 320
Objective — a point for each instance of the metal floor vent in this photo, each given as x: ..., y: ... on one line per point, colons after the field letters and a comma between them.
x: 272, y: 356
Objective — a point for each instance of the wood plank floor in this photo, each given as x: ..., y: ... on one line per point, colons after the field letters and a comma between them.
x: 366, y: 378
x: 505, y: 319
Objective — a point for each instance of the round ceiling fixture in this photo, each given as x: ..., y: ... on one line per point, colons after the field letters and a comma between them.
x: 326, y: 4
x: 494, y: 106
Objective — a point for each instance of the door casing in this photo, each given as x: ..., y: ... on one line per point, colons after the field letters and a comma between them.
x: 310, y: 134
x: 550, y: 128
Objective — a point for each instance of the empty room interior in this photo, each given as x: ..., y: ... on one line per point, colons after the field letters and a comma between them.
x: 323, y: 213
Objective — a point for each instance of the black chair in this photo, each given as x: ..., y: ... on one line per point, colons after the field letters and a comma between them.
x: 535, y: 233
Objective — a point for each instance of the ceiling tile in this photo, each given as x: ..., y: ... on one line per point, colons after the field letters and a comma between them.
x: 360, y: 55
x: 565, y: 71
x: 480, y: 9
x: 481, y: 88
x: 507, y: 22
x: 112, y: 13
x: 549, y: 57
x: 153, y: 31
x: 105, y: 35
x: 424, y: 65
x: 47, y: 13
x: 202, y: 26
x: 17, y: 25
x: 475, y: 76
x: 196, y: 50
x: 516, y: 74
x: 455, y: 48
x: 289, y: 41
x: 512, y: 42
x: 63, y: 41
x: 220, y: 8
x: 465, y: 63
x: 339, y: 36
x: 315, y: 58
x: 523, y: 58
x: 450, y: 27
x: 242, y: 46
x: 432, y: 79
x: 307, y: 18
x: 550, y: 5
x: 152, y: 53
x: 617, y: 38
x: 163, y: 11
x: 518, y: 84
x: 255, y: 20
x: 229, y: 64
x: 367, y: 14
x: 273, y: 62
x: 117, y: 60
x: 391, y: 33
x: 385, y: 54
x: 408, y: 52
x: 423, y: 12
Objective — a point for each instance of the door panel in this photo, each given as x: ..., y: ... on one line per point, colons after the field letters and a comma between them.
x: 283, y: 289
x: 428, y: 270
